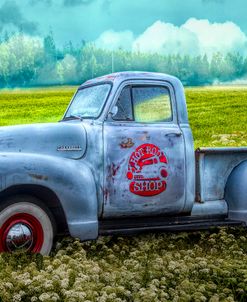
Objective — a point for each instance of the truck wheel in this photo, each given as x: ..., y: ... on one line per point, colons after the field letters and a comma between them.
x: 25, y: 224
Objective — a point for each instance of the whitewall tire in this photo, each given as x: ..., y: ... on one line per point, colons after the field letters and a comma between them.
x: 25, y: 224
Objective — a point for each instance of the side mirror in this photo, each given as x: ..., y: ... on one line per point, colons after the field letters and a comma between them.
x: 113, y: 111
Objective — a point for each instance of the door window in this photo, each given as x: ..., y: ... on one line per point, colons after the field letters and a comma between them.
x: 151, y: 104
x: 144, y: 104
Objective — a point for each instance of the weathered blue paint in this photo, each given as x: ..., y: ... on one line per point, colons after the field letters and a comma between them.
x: 72, y: 181
x: 85, y: 164
x: 210, y: 208
x: 45, y: 139
x: 214, y: 165
x: 236, y: 192
x: 168, y: 137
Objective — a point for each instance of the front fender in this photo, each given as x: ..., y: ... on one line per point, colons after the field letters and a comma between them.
x: 71, y: 180
x: 236, y: 192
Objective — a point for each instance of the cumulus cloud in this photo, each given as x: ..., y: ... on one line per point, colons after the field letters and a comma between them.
x: 194, y: 37
x: 12, y: 17
x: 213, y: 37
x: 113, y: 40
x: 166, y: 38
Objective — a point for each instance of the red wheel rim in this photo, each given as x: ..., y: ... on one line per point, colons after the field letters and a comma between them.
x: 10, y: 233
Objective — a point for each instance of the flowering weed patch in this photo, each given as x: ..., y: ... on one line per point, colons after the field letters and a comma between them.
x: 193, y: 266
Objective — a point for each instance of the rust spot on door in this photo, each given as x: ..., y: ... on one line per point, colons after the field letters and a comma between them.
x: 114, y: 169
x: 127, y: 143
x: 106, y: 195
x: 38, y: 176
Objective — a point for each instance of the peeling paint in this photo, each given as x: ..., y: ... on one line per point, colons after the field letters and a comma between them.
x: 38, y: 176
x: 114, y: 169
x: 128, y: 143
x: 106, y: 194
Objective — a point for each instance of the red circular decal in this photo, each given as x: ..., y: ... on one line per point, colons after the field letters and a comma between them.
x: 147, y: 170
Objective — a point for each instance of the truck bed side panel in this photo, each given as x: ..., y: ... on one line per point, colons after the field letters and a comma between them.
x: 213, y: 167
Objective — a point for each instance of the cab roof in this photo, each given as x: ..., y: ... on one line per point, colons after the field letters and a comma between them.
x: 128, y: 75
x: 117, y: 78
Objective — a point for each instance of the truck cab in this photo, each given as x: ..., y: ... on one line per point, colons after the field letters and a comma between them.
x: 144, y: 147
x: 121, y: 160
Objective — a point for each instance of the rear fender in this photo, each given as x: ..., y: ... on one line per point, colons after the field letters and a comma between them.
x: 236, y: 192
x: 71, y: 180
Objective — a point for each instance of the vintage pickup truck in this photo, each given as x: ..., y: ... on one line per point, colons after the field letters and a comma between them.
x: 121, y: 160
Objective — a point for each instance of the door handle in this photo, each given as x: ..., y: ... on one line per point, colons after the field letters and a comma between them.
x: 173, y: 134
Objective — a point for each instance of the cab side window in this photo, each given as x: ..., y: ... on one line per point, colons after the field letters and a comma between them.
x: 151, y: 104
x: 144, y: 104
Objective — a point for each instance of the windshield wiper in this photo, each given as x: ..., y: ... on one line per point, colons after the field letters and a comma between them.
x: 73, y: 117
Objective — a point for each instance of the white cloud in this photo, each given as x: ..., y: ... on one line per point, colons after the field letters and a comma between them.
x: 213, y: 37
x: 113, y: 40
x: 166, y: 38
x: 194, y: 37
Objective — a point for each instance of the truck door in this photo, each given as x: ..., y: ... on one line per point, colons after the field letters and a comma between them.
x: 144, y: 153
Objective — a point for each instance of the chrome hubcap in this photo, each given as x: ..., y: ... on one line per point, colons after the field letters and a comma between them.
x: 19, y: 236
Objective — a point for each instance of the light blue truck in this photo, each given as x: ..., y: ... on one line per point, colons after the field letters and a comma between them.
x: 121, y: 160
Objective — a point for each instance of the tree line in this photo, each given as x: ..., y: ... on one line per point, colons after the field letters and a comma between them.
x: 26, y: 61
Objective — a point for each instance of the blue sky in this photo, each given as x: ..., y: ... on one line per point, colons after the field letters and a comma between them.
x: 132, y: 24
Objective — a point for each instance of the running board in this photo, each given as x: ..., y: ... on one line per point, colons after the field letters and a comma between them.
x: 130, y: 226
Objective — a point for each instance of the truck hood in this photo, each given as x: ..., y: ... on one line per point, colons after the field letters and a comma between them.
x: 59, y: 139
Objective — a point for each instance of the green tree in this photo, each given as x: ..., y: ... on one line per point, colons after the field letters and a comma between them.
x: 50, y: 48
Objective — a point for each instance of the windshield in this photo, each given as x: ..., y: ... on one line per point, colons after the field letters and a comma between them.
x: 88, y: 102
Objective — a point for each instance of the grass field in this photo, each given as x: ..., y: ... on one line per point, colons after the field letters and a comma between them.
x: 33, y: 105
x: 196, y: 266
x: 217, y: 114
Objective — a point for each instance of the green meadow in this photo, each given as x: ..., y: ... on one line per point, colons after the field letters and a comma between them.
x: 23, y: 106
x: 217, y: 114
x: 179, y: 267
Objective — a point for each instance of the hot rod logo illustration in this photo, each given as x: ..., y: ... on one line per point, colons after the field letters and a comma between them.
x: 147, y: 170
